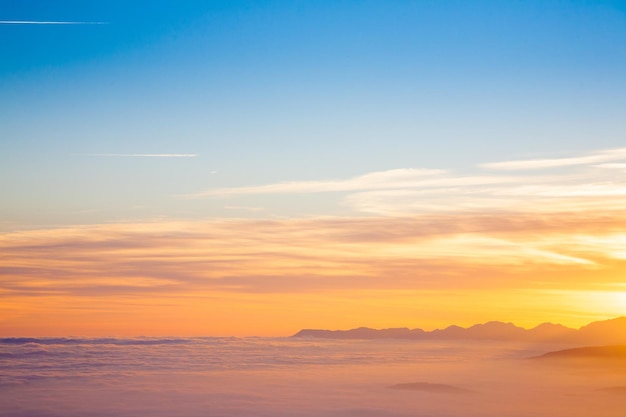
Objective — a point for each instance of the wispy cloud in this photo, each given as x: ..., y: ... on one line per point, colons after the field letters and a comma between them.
x: 145, y: 155
x: 590, y: 184
x: 425, y: 230
x: 621, y: 166
x: 43, y: 22
x: 529, y: 195
x: 438, y: 252
x: 222, y: 267
x: 243, y: 208
x: 396, y: 178
x: 529, y: 164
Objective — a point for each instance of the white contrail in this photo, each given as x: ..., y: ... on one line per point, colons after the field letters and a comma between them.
x: 147, y: 155
x: 39, y: 22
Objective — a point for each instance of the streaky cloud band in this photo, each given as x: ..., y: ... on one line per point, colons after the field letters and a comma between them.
x: 394, y: 178
x: 39, y: 22
x: 530, y: 164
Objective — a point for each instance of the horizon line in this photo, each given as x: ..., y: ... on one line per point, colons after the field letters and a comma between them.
x: 472, y: 325
x: 166, y: 336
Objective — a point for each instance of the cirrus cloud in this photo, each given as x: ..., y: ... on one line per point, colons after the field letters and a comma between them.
x: 588, y: 184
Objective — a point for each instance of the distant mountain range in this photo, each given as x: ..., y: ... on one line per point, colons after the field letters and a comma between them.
x: 599, y: 332
x: 613, y: 352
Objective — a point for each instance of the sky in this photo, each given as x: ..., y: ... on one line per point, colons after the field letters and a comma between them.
x: 257, y: 167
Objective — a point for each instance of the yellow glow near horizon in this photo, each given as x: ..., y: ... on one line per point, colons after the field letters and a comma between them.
x: 603, y: 304
x: 243, y: 277
x: 224, y: 314
x: 610, y: 302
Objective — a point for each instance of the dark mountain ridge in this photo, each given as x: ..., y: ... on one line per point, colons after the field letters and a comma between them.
x: 602, y: 332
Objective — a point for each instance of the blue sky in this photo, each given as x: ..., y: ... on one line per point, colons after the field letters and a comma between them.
x: 265, y: 92
x: 378, y: 163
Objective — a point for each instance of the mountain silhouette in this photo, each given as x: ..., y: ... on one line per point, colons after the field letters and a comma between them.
x: 598, y: 352
x: 611, y: 331
x: 607, y: 331
x: 547, y: 332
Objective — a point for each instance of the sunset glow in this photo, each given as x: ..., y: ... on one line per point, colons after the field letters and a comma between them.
x: 379, y: 172
x: 312, y: 208
x: 426, y: 270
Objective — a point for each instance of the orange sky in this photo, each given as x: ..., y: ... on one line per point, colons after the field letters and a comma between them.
x: 254, y: 168
x: 273, y: 277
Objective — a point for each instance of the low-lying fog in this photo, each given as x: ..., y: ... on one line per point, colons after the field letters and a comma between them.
x: 229, y: 377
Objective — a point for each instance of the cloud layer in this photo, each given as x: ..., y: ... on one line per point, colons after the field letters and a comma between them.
x: 459, y: 244
x: 395, y: 178
x: 530, y: 164
x: 582, y: 183
x: 286, y: 377
x: 321, y: 265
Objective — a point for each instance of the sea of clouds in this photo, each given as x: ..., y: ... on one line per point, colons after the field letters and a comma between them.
x: 276, y: 377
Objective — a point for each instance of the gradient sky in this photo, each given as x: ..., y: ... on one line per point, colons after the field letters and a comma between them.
x: 255, y: 167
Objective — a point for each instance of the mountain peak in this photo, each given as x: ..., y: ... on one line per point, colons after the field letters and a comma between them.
x: 606, y: 331
x: 615, y: 322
